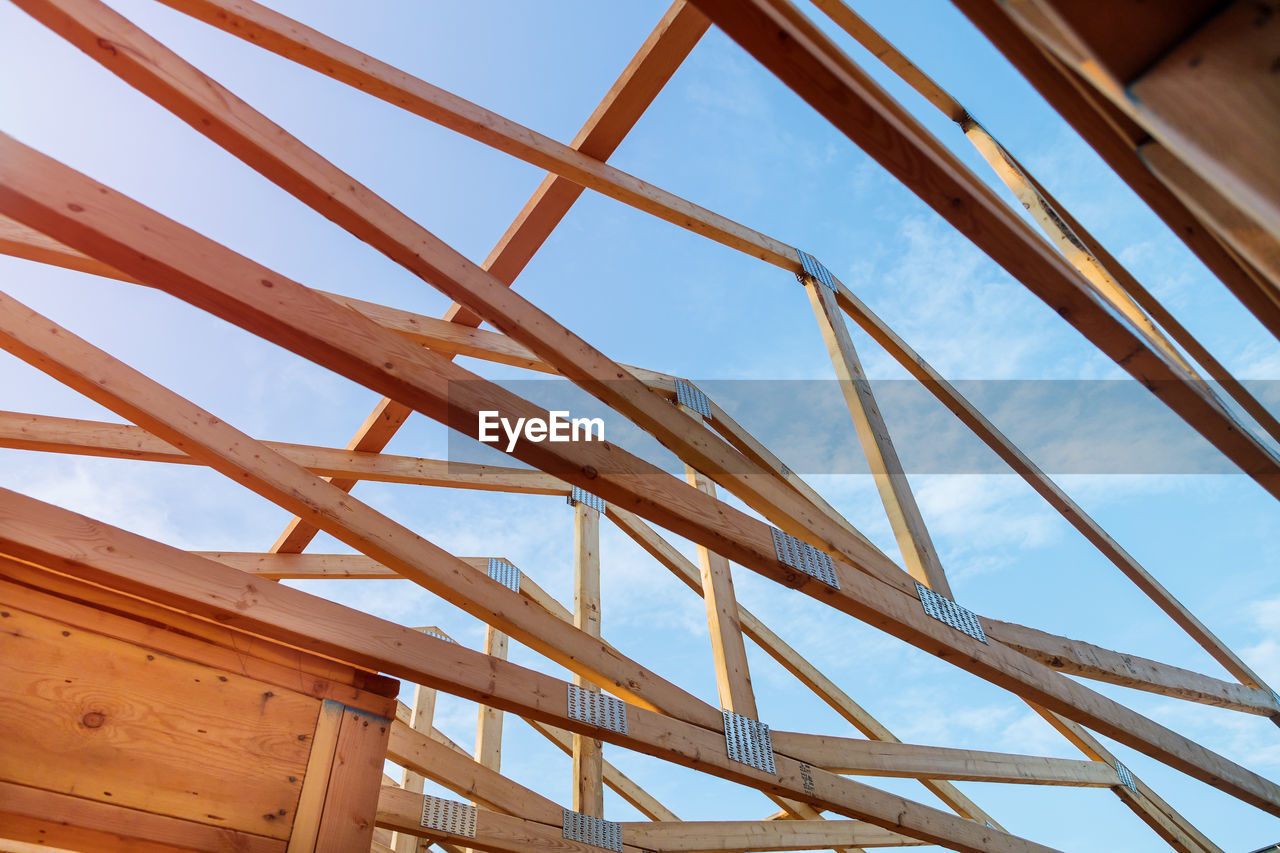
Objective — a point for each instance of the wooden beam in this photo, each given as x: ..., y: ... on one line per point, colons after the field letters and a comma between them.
x: 1148, y: 302
x: 19, y: 241
x: 47, y: 536
x: 874, y: 758
x: 350, y: 801
x: 421, y: 721
x: 900, y: 505
x: 733, y: 675
x: 654, y: 424
x: 726, y: 835
x: 1090, y: 661
x: 1086, y: 254
x: 447, y: 337
x: 1116, y: 138
x: 125, y: 441
x: 216, y: 279
x: 36, y: 820
x: 588, y: 752
x: 624, y: 787
x: 489, y: 719
x: 950, y: 188
x: 1199, y: 91
x: 1236, y: 228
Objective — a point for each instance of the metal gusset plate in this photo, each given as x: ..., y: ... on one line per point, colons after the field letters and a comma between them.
x: 691, y: 395
x: 803, y: 557
x: 748, y: 741
x: 504, y: 573
x: 814, y: 269
x: 440, y: 636
x: 1126, y: 777
x: 595, y: 831
x: 945, y: 610
x: 597, y: 709
x: 449, y: 816
x: 582, y: 496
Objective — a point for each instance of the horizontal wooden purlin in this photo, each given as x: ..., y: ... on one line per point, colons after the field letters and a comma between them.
x: 875, y: 758
x: 276, y: 566
x: 64, y: 541
x: 125, y: 441
x: 448, y: 338
x: 494, y: 833
x: 35, y: 188
x: 1008, y: 239
x: 701, y: 836
x: 1089, y: 661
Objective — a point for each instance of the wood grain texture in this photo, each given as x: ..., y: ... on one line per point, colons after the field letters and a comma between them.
x: 180, y: 636
x: 106, y: 720
x: 315, y: 784
x: 1115, y: 138
x: 46, y: 820
x: 351, y: 799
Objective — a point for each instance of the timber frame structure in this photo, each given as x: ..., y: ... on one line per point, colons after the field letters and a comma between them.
x: 297, y: 695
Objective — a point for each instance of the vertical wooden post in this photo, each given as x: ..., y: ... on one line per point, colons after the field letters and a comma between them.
x: 733, y: 678
x: 891, y: 481
x: 588, y: 757
x: 489, y: 720
x: 420, y: 720
x: 355, y: 778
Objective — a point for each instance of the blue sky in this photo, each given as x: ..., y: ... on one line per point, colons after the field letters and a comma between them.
x: 726, y: 135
